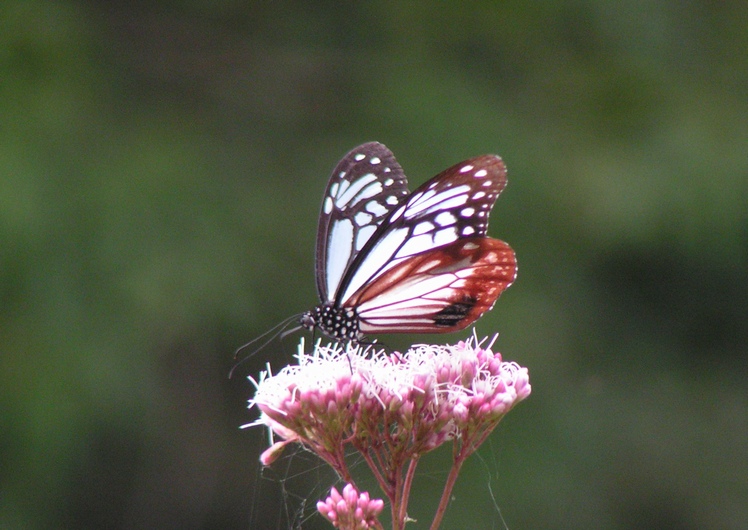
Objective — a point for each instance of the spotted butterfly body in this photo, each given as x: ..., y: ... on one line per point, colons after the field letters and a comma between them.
x: 390, y: 261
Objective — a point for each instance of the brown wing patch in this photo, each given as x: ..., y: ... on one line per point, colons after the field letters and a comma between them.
x: 439, y: 291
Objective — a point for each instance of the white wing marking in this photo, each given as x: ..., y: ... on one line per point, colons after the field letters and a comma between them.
x: 363, y: 236
x: 416, y: 244
x: 376, y: 324
x: 423, y: 228
x: 375, y: 208
x: 442, y: 237
x: 397, y: 215
x: 427, y: 241
x: 375, y: 260
x: 454, y: 202
x: 445, y: 219
x: 363, y: 188
x: 362, y: 218
x: 417, y: 288
x: 442, y: 200
x: 338, y: 252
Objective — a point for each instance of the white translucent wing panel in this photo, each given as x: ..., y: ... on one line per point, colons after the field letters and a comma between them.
x: 455, y: 204
x: 440, y: 290
x: 364, y: 187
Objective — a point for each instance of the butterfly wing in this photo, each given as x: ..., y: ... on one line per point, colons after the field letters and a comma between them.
x: 438, y: 291
x: 453, y: 205
x: 363, y: 189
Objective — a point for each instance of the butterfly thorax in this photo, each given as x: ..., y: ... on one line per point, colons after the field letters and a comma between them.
x: 335, y: 322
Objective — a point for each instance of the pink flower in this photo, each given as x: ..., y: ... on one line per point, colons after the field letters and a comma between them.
x: 351, y: 510
x: 392, y: 408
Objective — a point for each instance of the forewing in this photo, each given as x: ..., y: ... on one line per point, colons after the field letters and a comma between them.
x: 363, y: 188
x: 454, y: 204
x: 438, y: 291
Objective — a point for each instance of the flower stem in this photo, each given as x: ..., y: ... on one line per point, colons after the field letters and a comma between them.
x: 447, y: 493
x: 409, y: 476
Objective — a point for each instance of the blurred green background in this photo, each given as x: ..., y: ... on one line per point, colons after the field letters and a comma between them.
x: 162, y: 166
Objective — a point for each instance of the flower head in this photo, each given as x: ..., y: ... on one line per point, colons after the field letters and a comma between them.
x: 423, y: 398
x: 391, y: 408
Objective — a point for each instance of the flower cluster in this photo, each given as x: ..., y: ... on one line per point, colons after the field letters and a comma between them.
x: 351, y: 509
x: 391, y: 408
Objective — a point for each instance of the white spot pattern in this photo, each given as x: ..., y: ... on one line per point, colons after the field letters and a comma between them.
x: 375, y: 208
x: 445, y: 219
x: 363, y: 218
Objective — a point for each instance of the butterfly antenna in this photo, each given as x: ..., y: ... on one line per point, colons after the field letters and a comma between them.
x: 287, y: 332
x: 274, y: 332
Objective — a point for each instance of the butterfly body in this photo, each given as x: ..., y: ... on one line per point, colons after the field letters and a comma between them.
x: 390, y: 261
x: 335, y: 322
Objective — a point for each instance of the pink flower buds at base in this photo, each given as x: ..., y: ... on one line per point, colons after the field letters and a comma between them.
x: 351, y: 510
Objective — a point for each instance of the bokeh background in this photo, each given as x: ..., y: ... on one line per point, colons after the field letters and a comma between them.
x: 161, y: 172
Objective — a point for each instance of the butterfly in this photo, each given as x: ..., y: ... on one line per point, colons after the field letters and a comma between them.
x: 390, y: 261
